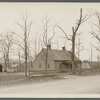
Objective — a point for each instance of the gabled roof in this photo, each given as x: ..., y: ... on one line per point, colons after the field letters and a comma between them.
x: 60, y: 55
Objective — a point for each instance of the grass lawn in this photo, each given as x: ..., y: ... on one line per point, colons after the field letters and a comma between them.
x: 10, y: 79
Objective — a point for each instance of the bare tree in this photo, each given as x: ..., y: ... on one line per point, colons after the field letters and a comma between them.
x: 18, y: 53
x: 6, y: 43
x: 98, y: 58
x: 3, y: 52
x: 26, y: 28
x: 95, y: 30
x: 75, y: 29
x: 47, y: 39
x: 36, y: 41
x: 79, y: 47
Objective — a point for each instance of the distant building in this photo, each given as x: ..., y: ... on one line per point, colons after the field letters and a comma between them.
x: 90, y: 64
x: 13, y: 68
x: 21, y: 67
x: 95, y: 64
x: 58, y: 60
x: 85, y: 64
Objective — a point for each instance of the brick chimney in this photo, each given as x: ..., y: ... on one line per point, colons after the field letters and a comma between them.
x: 63, y: 48
x: 49, y: 46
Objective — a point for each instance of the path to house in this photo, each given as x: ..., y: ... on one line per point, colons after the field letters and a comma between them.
x: 72, y: 85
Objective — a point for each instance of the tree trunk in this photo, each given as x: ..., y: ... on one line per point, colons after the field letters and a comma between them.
x: 25, y: 53
x: 73, y: 51
x: 19, y: 58
x: 5, y: 62
x: 25, y: 60
x: 46, y: 62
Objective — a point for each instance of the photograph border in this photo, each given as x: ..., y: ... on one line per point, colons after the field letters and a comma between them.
x: 91, y: 97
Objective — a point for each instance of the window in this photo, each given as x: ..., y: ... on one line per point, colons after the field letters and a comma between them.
x: 39, y: 65
x: 48, y: 66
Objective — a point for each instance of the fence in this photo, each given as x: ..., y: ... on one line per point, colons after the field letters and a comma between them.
x: 42, y: 72
x: 87, y: 71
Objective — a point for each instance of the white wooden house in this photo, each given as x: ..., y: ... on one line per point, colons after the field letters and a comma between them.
x: 58, y: 60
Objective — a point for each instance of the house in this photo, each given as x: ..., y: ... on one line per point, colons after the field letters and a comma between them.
x: 58, y: 60
x: 13, y: 68
x: 94, y: 64
x: 21, y: 67
x: 85, y: 64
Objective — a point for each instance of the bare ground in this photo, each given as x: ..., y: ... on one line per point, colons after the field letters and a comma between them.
x: 66, y: 85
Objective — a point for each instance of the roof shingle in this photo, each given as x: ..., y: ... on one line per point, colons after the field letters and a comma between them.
x: 60, y: 54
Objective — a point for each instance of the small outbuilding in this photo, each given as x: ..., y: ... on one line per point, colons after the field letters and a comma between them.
x: 13, y: 68
x: 85, y: 65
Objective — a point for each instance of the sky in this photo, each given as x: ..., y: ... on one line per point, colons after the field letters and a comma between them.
x: 62, y: 14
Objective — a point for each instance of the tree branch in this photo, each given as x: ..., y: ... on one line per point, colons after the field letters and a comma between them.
x: 64, y: 33
x: 53, y: 35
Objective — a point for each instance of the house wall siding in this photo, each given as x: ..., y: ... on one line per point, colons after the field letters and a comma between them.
x: 57, y: 66
x: 39, y: 63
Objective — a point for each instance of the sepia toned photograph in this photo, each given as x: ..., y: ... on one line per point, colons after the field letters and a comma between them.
x: 49, y: 49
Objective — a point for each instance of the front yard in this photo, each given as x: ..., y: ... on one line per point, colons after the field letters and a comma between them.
x: 9, y: 79
x: 41, y: 86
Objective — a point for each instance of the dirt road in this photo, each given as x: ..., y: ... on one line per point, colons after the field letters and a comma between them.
x: 72, y: 85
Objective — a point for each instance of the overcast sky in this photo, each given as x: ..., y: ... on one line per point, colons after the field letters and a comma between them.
x: 62, y: 14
